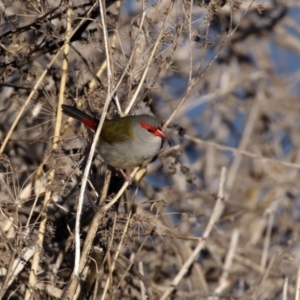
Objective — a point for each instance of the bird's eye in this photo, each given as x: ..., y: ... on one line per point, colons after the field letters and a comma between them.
x: 149, y: 130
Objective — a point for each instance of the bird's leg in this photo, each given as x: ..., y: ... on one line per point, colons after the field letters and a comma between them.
x: 126, y: 176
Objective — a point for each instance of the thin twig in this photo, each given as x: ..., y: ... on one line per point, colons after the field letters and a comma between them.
x: 264, y: 278
x: 143, y: 290
x: 201, y: 73
x: 116, y: 256
x: 94, y: 144
x: 297, y: 294
x: 71, y: 288
x: 42, y: 229
x: 134, y: 97
x: 223, y: 281
x: 215, y: 216
x: 236, y: 151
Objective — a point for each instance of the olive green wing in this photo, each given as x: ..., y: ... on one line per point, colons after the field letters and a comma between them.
x: 118, y: 130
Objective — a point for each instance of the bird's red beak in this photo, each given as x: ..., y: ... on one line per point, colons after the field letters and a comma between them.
x: 159, y: 132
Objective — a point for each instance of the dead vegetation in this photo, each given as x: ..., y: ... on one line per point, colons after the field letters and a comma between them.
x: 216, y: 217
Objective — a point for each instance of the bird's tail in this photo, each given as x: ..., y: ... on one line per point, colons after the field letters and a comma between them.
x: 81, y: 116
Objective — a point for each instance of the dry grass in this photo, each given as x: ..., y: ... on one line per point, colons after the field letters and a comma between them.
x: 216, y: 216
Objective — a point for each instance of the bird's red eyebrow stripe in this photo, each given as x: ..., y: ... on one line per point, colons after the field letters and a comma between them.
x: 154, y: 130
x: 147, y: 126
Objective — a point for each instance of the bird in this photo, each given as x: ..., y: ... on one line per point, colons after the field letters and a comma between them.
x: 126, y: 142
